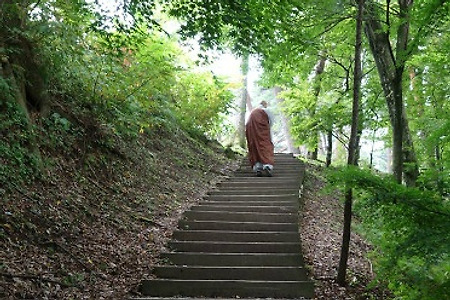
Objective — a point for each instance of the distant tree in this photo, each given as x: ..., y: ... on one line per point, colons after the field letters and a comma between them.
x: 317, y: 79
x: 243, y: 102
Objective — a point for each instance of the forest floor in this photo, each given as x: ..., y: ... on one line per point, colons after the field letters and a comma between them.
x: 93, y: 227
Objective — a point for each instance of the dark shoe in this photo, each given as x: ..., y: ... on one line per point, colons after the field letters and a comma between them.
x: 259, y: 173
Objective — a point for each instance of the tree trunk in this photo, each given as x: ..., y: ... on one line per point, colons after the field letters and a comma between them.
x: 389, y: 160
x: 329, y: 147
x: 390, y: 70
x: 285, y: 124
x: 243, y: 103
x: 318, y: 71
x: 352, y: 149
x: 440, y: 170
x: 20, y: 65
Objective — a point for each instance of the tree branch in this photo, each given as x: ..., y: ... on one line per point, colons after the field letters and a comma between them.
x: 332, y: 25
x: 35, y: 5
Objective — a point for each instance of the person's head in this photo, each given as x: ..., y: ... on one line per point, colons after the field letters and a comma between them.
x: 264, y: 104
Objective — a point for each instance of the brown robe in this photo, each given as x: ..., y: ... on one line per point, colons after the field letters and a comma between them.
x: 259, y: 143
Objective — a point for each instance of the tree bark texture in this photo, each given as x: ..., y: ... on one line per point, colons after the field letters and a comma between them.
x: 390, y: 70
x: 329, y: 147
x: 20, y: 66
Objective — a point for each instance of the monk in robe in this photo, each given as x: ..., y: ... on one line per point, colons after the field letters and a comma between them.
x: 259, y: 140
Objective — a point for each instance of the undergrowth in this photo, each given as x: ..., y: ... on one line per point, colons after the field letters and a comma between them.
x: 410, y: 230
x: 19, y: 158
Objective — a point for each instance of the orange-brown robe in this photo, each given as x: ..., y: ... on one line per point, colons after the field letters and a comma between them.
x: 259, y: 142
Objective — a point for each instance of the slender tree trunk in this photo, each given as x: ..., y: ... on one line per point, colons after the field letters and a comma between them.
x: 352, y: 149
x: 249, y: 102
x: 329, y: 146
x: 285, y: 124
x: 372, y: 150
x: 243, y: 103
x: 389, y: 160
x: 318, y: 71
x: 440, y: 170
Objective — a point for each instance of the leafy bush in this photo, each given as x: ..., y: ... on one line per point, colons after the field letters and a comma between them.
x: 410, y: 230
x: 201, y: 101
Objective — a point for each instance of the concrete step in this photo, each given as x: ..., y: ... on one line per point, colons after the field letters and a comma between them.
x: 283, y: 163
x: 241, y: 241
x: 255, y: 179
x: 278, y: 160
x: 285, y: 172
x: 240, y: 208
x: 263, y: 193
x: 237, y: 226
x: 234, y: 259
x: 258, y: 185
x: 263, y: 180
x: 235, y: 236
x: 227, y: 288
x: 241, y: 216
x: 277, y: 169
x: 280, y: 165
x: 234, y: 247
x: 275, y: 174
x: 234, y: 196
x: 293, y: 202
x: 231, y: 273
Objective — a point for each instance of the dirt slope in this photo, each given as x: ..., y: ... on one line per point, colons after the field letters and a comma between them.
x: 92, y: 227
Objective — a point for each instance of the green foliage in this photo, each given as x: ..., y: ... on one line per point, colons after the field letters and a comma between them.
x: 298, y: 105
x: 136, y: 83
x: 110, y: 83
x: 310, y: 114
x: 201, y: 100
x: 247, y: 26
x: 409, y: 228
x: 18, y: 160
x: 428, y: 104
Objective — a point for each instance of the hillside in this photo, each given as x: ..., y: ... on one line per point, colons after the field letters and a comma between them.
x: 92, y: 224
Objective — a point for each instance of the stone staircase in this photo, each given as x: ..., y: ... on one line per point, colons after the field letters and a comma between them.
x: 242, y: 241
